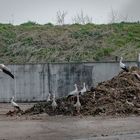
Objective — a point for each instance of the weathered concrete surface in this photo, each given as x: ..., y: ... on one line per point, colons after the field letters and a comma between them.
x: 33, y: 82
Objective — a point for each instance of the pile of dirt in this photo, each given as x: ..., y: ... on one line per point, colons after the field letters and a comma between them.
x: 118, y: 96
x: 15, y: 112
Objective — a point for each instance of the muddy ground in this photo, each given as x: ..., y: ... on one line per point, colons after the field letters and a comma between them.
x: 44, y: 127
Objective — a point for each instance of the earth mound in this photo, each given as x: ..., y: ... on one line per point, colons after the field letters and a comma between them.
x: 117, y: 96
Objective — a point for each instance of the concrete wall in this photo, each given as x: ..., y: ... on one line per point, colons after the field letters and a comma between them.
x: 33, y: 82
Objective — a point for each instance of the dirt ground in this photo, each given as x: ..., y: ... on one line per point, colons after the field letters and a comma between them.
x: 44, y: 127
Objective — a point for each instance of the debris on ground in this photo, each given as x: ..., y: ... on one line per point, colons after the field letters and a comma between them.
x: 118, y: 96
x: 14, y: 112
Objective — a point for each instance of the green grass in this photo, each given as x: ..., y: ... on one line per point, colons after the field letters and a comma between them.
x: 32, y: 43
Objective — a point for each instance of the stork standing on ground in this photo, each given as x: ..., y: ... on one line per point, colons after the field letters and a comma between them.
x: 6, y: 70
x: 14, y: 104
x: 54, y: 104
x: 78, y: 105
x: 49, y: 97
x: 123, y: 66
x: 73, y: 93
x: 83, y: 90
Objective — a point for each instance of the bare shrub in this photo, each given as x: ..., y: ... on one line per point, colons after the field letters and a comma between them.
x: 81, y: 18
x: 60, y: 17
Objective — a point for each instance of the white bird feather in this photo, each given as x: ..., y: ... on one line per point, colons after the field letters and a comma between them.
x: 122, y: 65
x: 14, y: 104
x: 54, y: 104
x: 83, y: 90
x: 74, y: 92
x: 49, y: 97
x: 78, y: 104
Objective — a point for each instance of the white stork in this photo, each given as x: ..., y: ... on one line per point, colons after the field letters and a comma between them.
x: 123, y: 66
x: 49, y: 97
x: 54, y: 104
x: 78, y: 104
x: 83, y: 90
x: 73, y: 93
x: 6, y: 70
x: 14, y: 104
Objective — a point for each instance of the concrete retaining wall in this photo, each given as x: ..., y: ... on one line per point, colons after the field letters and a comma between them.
x: 33, y: 82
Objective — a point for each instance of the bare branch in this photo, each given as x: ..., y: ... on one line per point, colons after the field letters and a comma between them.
x: 81, y: 18
x: 115, y: 17
x: 60, y: 17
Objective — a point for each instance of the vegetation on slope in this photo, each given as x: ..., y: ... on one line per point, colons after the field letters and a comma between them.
x: 33, y: 43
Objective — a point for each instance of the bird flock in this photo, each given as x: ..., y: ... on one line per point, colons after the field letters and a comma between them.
x: 71, y: 95
x: 77, y: 93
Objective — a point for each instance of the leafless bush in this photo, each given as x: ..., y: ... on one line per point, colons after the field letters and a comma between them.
x: 60, y: 17
x: 81, y: 18
x: 116, y: 17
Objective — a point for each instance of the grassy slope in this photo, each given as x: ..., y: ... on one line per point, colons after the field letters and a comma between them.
x: 32, y: 43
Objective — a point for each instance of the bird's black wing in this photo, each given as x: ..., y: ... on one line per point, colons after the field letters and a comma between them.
x: 126, y: 69
x: 69, y: 96
x: 17, y: 107
x: 8, y: 72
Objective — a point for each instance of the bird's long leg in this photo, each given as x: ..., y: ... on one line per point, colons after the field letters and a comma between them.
x: 14, y: 110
